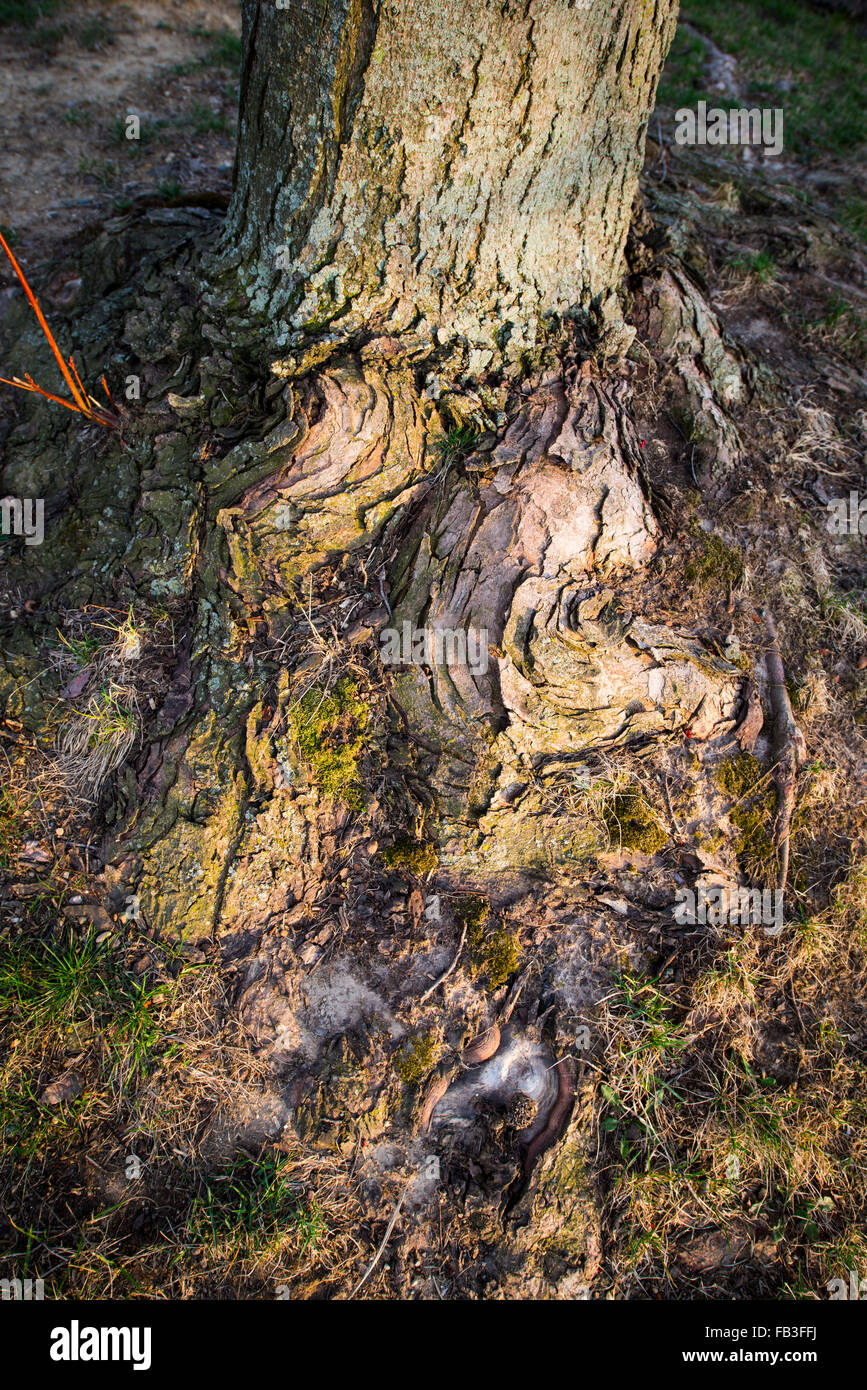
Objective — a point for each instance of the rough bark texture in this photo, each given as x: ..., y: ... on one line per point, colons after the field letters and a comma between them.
x: 448, y: 181
x: 465, y: 169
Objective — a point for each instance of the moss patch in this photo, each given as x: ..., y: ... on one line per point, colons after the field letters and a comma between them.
x: 716, y: 566
x: 752, y: 814
x: 329, y: 728
x: 494, y: 950
x: 417, y: 857
x: 472, y: 912
x: 417, y: 1058
x: 739, y: 776
x: 631, y: 822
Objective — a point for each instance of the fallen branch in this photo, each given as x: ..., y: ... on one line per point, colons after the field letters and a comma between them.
x: 790, y: 750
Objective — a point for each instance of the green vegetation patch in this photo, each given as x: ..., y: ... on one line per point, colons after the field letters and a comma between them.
x: 13, y: 826
x: 59, y: 997
x: 25, y: 12
x: 755, y: 265
x: 418, y: 1056
x: 752, y: 814
x: 225, y: 50
x: 418, y: 857
x: 716, y: 566
x: 254, y: 1202
x: 329, y: 728
x: 789, y: 55
x: 494, y: 950
x: 473, y: 912
x: 683, y: 81
x: 631, y: 822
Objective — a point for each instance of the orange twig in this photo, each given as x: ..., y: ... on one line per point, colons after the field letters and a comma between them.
x: 30, y: 385
x: 81, y: 402
x: 74, y: 371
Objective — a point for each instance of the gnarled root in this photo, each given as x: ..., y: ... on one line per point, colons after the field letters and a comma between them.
x: 789, y: 748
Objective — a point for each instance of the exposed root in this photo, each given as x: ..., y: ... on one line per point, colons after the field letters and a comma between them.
x: 790, y: 750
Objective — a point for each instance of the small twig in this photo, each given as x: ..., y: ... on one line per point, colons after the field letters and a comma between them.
x: 677, y: 828
x: 512, y: 997
x: 81, y: 402
x: 378, y: 1256
x: 436, y: 984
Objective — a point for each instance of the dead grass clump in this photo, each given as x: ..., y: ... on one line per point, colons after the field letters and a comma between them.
x: 112, y: 669
x: 100, y: 736
x: 819, y: 443
x: 619, y: 806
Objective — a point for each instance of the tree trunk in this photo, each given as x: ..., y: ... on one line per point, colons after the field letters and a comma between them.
x: 461, y: 168
x: 427, y: 233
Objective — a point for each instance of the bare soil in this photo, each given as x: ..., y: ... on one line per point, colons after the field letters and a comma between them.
x: 67, y: 85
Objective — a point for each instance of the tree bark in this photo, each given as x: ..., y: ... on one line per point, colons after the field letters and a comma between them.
x: 462, y: 168
x: 428, y: 196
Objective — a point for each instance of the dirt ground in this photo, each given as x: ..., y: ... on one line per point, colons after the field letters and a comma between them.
x: 67, y: 85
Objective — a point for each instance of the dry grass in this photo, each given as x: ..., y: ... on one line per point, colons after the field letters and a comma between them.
x: 616, y: 798
x: 111, y: 669
x: 133, y: 1184
x: 732, y: 1110
x: 99, y: 737
x: 819, y: 443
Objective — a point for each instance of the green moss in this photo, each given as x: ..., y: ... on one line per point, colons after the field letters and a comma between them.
x: 631, y: 822
x: 417, y: 857
x: 737, y: 777
x: 755, y: 841
x: 418, y: 1056
x: 711, y: 844
x: 716, y: 566
x: 494, y: 950
x: 752, y: 813
x: 329, y: 728
x: 473, y: 912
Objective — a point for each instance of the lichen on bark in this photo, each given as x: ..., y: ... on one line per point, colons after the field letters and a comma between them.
x: 462, y: 170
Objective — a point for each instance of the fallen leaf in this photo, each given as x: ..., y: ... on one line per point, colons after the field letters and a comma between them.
x: 64, y: 1088
x: 416, y: 907
x: 77, y: 684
